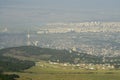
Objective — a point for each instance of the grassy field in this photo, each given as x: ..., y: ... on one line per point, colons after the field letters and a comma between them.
x: 57, y: 72
x: 63, y: 76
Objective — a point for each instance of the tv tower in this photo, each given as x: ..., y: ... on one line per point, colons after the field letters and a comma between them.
x: 28, y: 39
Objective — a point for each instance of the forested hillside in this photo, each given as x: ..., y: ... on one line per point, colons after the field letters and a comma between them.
x: 32, y: 53
x: 17, y: 59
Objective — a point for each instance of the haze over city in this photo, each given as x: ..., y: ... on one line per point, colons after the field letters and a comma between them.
x: 59, y: 39
x: 20, y: 13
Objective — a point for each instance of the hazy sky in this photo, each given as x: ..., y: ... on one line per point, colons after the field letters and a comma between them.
x: 36, y: 12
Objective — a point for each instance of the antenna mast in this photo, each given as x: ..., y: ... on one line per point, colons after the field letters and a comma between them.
x: 28, y: 39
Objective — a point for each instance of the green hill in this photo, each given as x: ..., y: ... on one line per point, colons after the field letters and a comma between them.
x: 24, y: 57
x: 33, y: 53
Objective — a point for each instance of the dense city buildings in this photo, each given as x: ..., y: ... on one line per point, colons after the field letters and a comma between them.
x: 96, y: 38
x: 80, y: 27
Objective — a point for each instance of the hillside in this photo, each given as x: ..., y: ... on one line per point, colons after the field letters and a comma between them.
x: 27, y: 55
x: 36, y: 53
x: 8, y: 63
x: 18, y: 59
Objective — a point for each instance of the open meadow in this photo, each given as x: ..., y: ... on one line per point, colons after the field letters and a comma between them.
x: 46, y: 71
